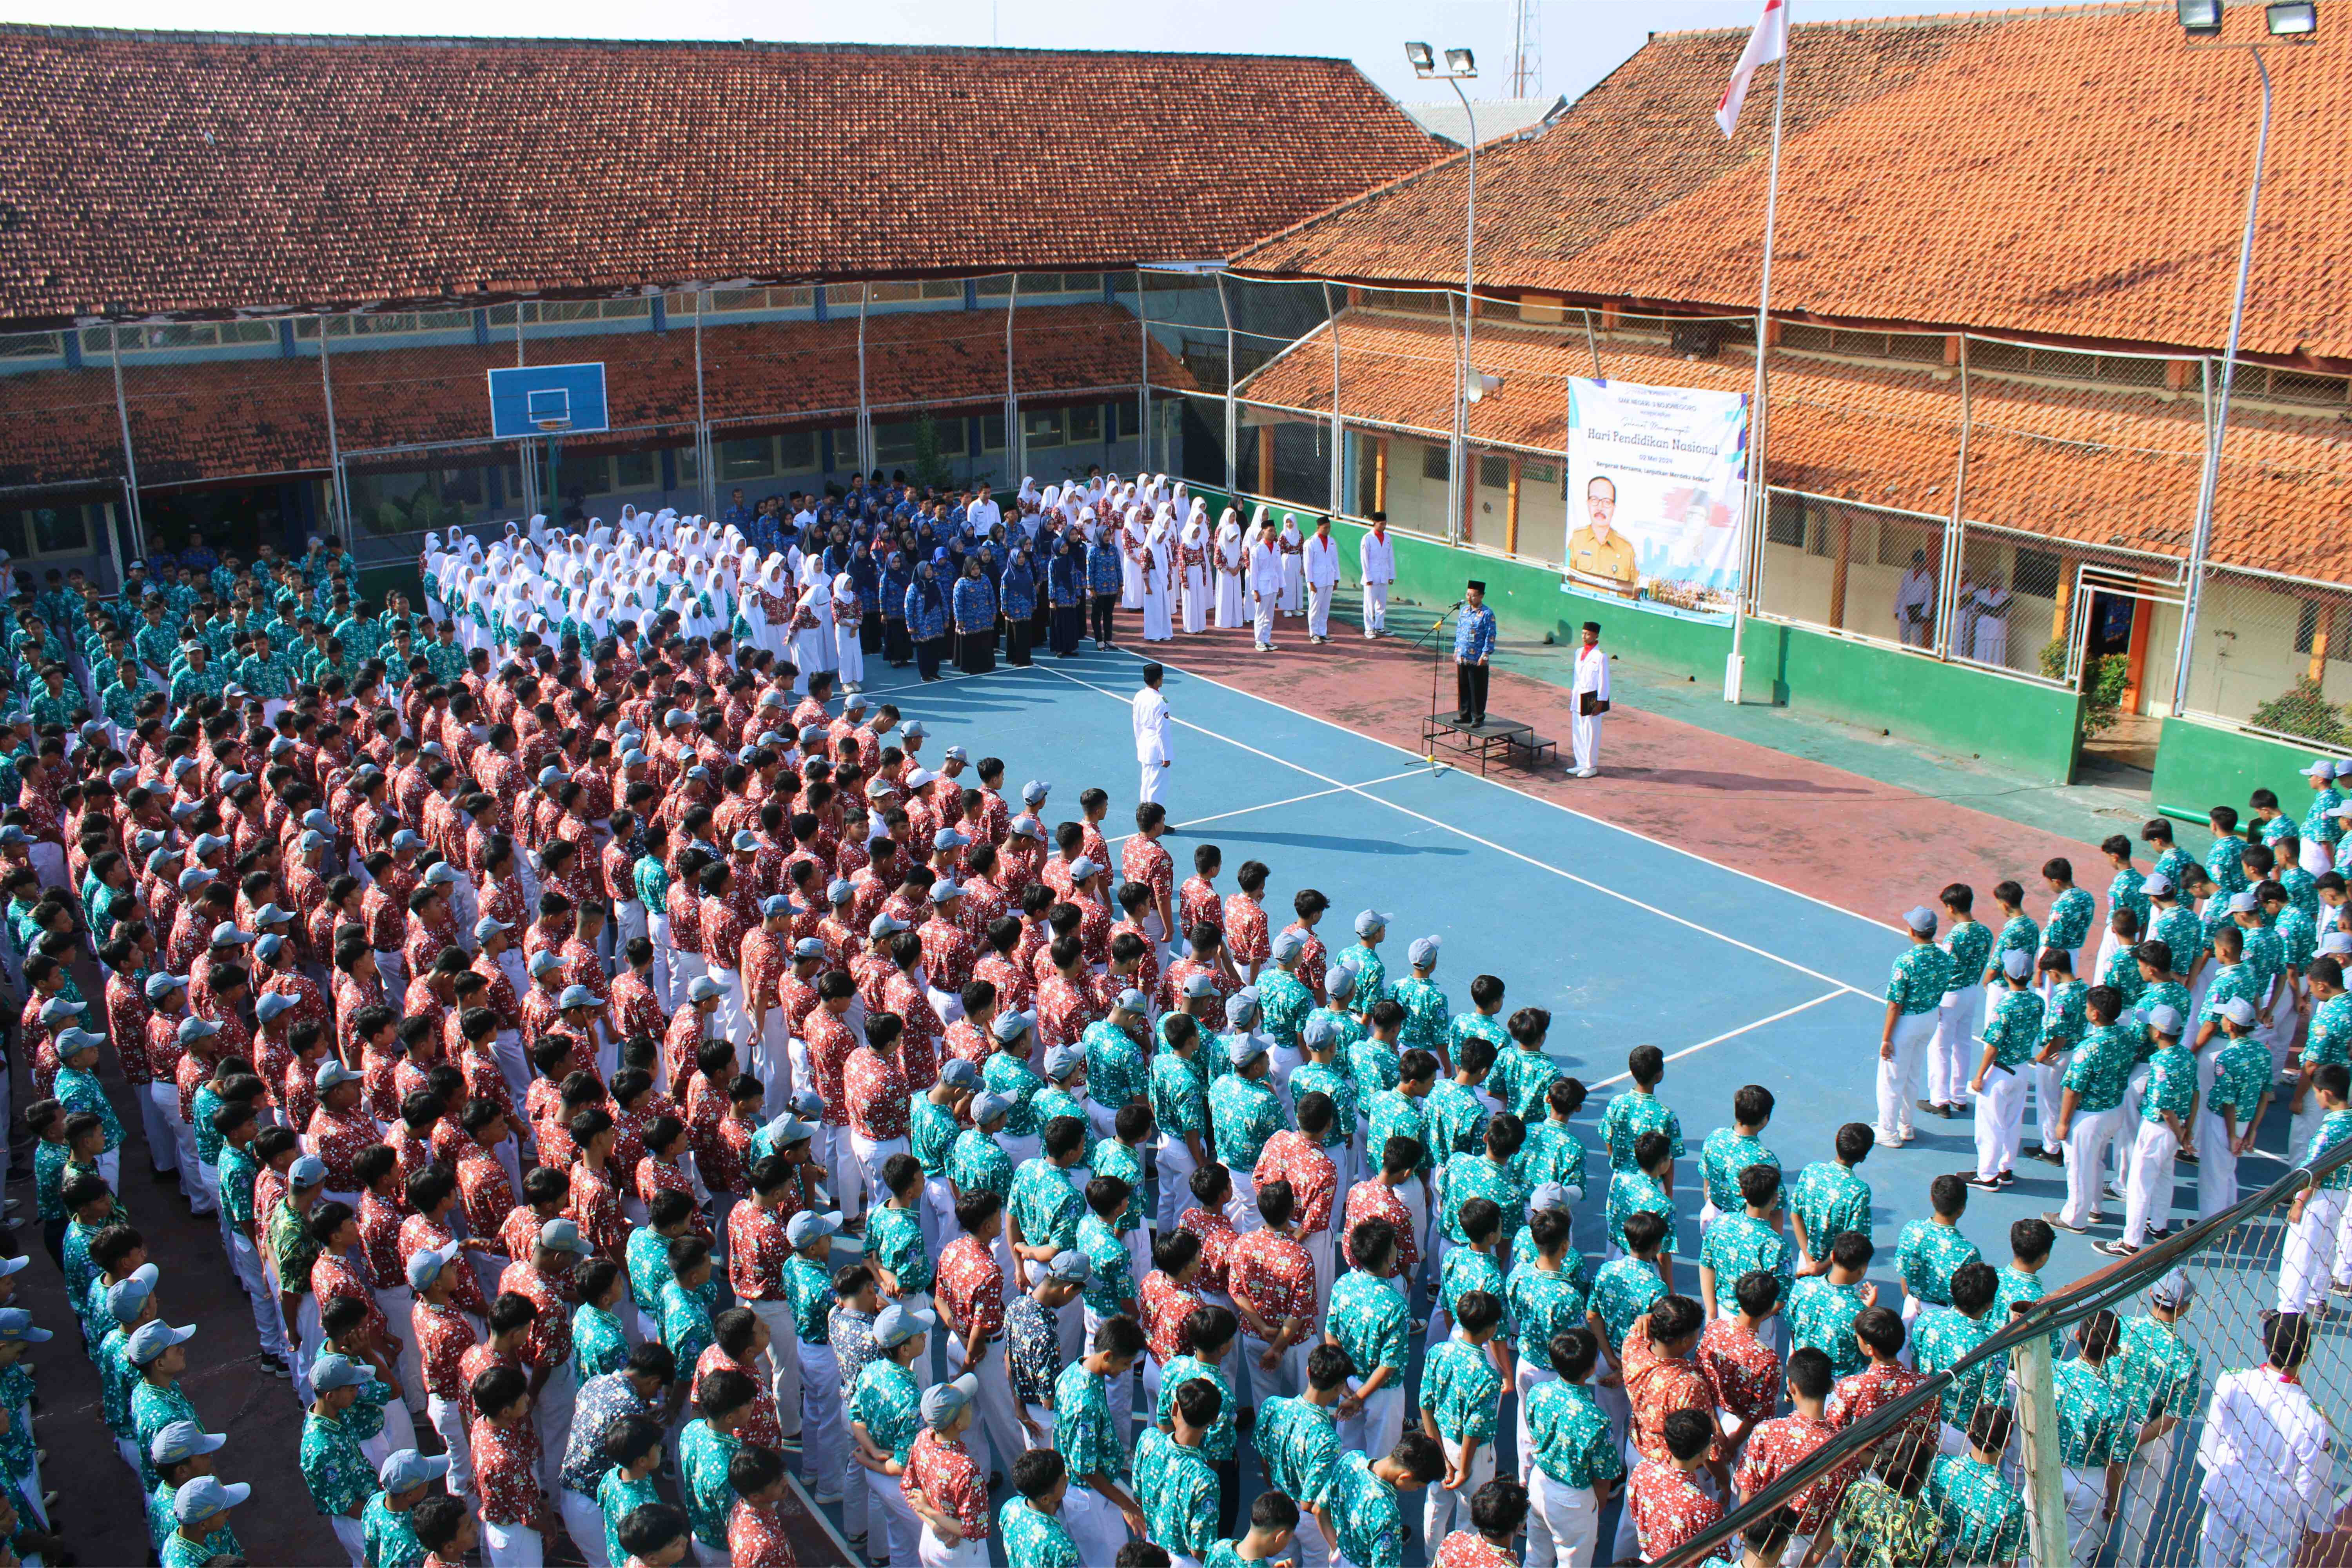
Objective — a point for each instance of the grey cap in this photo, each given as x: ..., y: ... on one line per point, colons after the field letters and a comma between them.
x: 811, y: 734
x: 987, y: 1108
x: 183, y: 1440
x: 2156, y: 884
x: 2325, y: 768
x: 1288, y: 947
x: 333, y: 1074
x: 2344, y: 768
x: 2238, y: 1010
x: 1243, y: 1049
x: 808, y: 1227
x: 1010, y: 1026
x: 331, y: 1371
x: 884, y: 925
x: 1547, y: 1196
x: 544, y: 961
x: 426, y: 1267
x: 308, y: 1171
x: 320, y: 820
x: 956, y: 754
x: 2017, y: 964
x: 840, y: 891
x: 407, y: 1470
x: 192, y: 1028
x: 443, y: 875
x: 1199, y: 984
x: 1035, y: 790
x: 2165, y: 1019
x: 126, y: 1296
x: 1341, y: 981
x: 809, y: 947
x: 151, y: 1340
x: 1062, y: 1061
x: 897, y: 1323
x: 2339, y: 942
x: 941, y: 1401
x: 205, y: 1496
x: 71, y: 1043
x: 273, y: 1004
x: 1242, y: 1006
x: 2173, y: 1291
x: 1070, y: 1267
x: 56, y: 1010
x: 958, y: 1073
x: 562, y: 1235
x: 490, y: 926
x: 1084, y: 868
x: 1318, y: 1034
x: 786, y: 1130
x: 269, y: 946
x: 578, y: 996
x: 702, y: 988
x: 1026, y: 826
x: 1371, y: 921
x: 2243, y: 902
x: 1920, y: 918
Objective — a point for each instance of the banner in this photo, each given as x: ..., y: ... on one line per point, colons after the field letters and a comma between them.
x: 1657, y: 479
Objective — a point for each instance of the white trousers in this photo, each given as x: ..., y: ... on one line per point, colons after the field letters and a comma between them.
x: 2263, y: 1542
x: 350, y: 1536
x: 553, y: 1411
x: 1584, y: 739
x: 1097, y: 1529
x: 2086, y: 1528
x: 584, y: 1521
x: 1376, y: 608
x: 1176, y: 1168
x: 2000, y: 1112
x: 870, y: 1156
x: 2148, y: 1200
x: 1439, y: 1507
x: 1151, y: 781
x: 2311, y: 1252
x: 1899, y: 1075
x: 887, y: 1509
x: 445, y: 1418
x: 163, y: 1146
x: 783, y: 1365
x: 2087, y: 1138
x: 1375, y: 1429
x: 1265, y: 630
x: 933, y: 1553
x: 1319, y: 609
x: 1564, y: 1524
x: 511, y: 1546
x: 824, y: 1429
x: 1952, y: 1059
x: 996, y: 1411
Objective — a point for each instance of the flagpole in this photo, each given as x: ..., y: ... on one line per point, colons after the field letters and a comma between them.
x: 1735, y: 666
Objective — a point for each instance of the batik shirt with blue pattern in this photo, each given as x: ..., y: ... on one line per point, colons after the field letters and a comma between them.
x: 1426, y: 1016
x: 1630, y: 1115
x: 1927, y: 1254
x: 1918, y: 980
x: 1821, y: 1317
x: 1723, y: 1157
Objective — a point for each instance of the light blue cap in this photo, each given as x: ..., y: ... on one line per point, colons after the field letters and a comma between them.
x: 2017, y: 964
x: 192, y: 1028
x: 544, y: 961
x: 898, y: 1322
x: 1026, y: 826
x: 1422, y: 953
x: 1241, y: 1007
x: 2164, y: 1020
x: 809, y: 947
x: 958, y: 1073
x: 407, y: 1470
x: 1009, y: 1026
x: 1035, y: 790
x: 1083, y: 868
x: 311, y: 839
x: 1289, y: 947
x: 443, y: 875
x: 1341, y: 981
x: 1069, y: 1266
x: 562, y: 1235
x: 333, y: 1074
x: 183, y: 1440
x: 273, y: 1004
x: 578, y: 996
x: 269, y: 946
x: 332, y: 1371
x: 886, y: 925
x: 161, y: 985
x: 1318, y: 1034
x: 786, y: 1130
x: 1920, y: 918
x: 426, y: 1267
x: 840, y: 891
x: 271, y: 915
x: 147, y: 1341
x: 943, y: 1401
x: 1371, y: 921
x: 71, y: 1043
x: 942, y: 890
x: 808, y: 1227
x: 1063, y: 1060
x: 194, y: 877
x: 490, y: 926
x: 776, y: 904
x: 987, y: 1108
x: 229, y: 934
x: 702, y: 988
x: 948, y: 838
x: 198, y: 1499
x: 407, y: 838
x: 745, y: 842
x: 308, y: 1171
x: 208, y: 844
x: 56, y: 1010
x: 1243, y: 1049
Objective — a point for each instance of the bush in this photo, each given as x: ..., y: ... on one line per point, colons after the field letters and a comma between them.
x: 2302, y: 709
x: 2104, y: 680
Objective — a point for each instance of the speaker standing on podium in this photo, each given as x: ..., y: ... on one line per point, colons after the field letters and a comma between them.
x: 1474, y: 640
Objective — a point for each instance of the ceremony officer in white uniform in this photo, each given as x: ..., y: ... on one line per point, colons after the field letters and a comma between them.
x: 1592, y: 701
x: 1266, y: 587
x: 1322, y: 580
x: 2269, y: 1477
x: 1151, y: 753
x: 1376, y: 569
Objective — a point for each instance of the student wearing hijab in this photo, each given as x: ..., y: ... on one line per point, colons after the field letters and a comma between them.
x: 898, y: 577
x: 1016, y: 595
x: 975, y: 619
x: 1231, y: 568
x: 848, y: 618
x: 926, y: 615
x: 1066, y: 586
x: 1192, y: 568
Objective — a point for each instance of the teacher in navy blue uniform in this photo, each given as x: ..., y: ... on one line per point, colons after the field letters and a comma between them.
x: 1474, y: 640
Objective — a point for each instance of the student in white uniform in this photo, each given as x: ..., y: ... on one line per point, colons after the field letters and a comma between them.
x: 1151, y: 754
x: 1592, y: 701
x: 1322, y: 580
x: 2270, y: 1478
x: 1376, y: 569
x: 1266, y: 587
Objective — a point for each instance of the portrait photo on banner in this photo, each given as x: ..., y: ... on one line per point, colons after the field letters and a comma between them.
x: 1657, y: 477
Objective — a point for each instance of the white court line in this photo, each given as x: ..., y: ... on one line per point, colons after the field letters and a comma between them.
x: 1523, y: 794
x: 825, y: 1522
x: 1735, y: 1034
x: 1499, y: 848
x: 1291, y: 800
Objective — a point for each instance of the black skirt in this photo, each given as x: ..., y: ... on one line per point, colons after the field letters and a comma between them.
x: 898, y: 647
x: 976, y: 651
x: 870, y: 632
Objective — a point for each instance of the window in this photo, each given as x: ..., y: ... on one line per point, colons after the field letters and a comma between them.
x: 1784, y: 521
x: 943, y: 288
x: 998, y: 286
x: 759, y: 298
x: 892, y: 293
x: 991, y: 432
x: 2311, y: 616
x: 751, y: 459
x: 62, y: 530
x: 843, y: 295
x: 1434, y: 466
x: 689, y: 465
x: 1534, y: 474
x: 1495, y: 473
x: 632, y: 471
x: 894, y: 443
x: 1085, y: 422
x: 585, y: 475
x: 32, y: 345
x: 1041, y: 429
x: 797, y: 450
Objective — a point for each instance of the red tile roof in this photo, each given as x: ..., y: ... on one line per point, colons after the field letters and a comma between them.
x: 2078, y: 173
x: 152, y: 173
x: 224, y: 419
x: 2093, y: 465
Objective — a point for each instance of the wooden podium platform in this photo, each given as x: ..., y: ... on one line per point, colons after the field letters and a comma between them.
x: 1504, y: 738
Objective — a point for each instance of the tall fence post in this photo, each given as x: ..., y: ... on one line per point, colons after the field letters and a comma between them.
x: 339, y: 499
x: 706, y: 451
x: 1016, y: 462
x: 129, y: 459
x: 2037, y: 1409
x: 1143, y: 370
x: 1339, y: 436
x: 865, y: 410
x: 1948, y: 576
x: 1232, y: 412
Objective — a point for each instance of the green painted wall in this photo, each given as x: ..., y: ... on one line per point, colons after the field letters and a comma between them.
x: 2011, y: 723
x: 2201, y: 765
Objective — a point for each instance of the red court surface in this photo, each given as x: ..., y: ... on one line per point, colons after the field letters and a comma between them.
x: 1871, y: 847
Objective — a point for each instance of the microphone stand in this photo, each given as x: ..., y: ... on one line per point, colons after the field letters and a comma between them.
x: 1434, y: 649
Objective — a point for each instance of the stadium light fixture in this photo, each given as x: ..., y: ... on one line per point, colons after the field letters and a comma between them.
x: 1480, y: 386
x: 2199, y: 18
x: 1462, y: 63
x: 1423, y: 57
x: 2291, y: 18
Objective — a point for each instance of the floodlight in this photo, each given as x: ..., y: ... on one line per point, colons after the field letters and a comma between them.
x: 2199, y: 18
x: 2291, y: 18
x: 1423, y: 57
x: 1481, y: 386
x: 1462, y: 62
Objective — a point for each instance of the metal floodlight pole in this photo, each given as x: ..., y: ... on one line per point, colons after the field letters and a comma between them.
x: 130, y: 457
x: 1461, y: 67
x: 2202, y: 541
x: 339, y: 503
x: 1758, y: 421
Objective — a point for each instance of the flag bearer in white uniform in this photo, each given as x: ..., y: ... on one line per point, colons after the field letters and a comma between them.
x: 1151, y: 753
x: 1376, y: 569
x: 1322, y: 580
x: 2270, y: 1478
x: 1264, y: 587
x: 2010, y: 1041
x: 1592, y: 692
x: 1915, y: 993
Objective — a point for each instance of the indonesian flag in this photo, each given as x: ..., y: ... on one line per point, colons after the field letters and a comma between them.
x: 1767, y: 44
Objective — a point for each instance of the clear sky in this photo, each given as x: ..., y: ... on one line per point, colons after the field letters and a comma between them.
x: 1583, y: 40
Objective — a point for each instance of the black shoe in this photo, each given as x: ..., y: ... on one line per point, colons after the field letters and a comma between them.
x: 1985, y: 1183
x: 2054, y: 1223
x: 2117, y: 1248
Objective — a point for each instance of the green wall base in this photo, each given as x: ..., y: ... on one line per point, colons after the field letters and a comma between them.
x: 2200, y: 766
